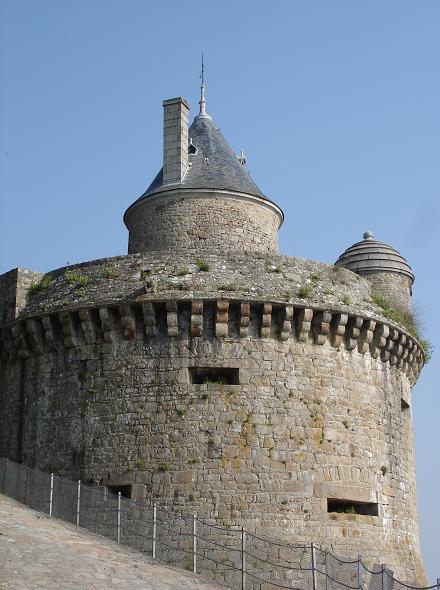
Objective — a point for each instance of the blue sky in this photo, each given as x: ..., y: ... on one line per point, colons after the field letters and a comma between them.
x: 336, y: 104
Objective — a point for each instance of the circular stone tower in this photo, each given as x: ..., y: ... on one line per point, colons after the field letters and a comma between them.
x: 207, y: 372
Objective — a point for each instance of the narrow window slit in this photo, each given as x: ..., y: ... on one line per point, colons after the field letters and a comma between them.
x: 352, y: 507
x: 220, y: 375
x: 404, y: 404
x: 124, y: 489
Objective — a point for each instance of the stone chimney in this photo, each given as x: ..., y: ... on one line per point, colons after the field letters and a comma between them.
x: 175, y: 140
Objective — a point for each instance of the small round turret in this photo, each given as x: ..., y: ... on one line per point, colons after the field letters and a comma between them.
x: 386, y: 269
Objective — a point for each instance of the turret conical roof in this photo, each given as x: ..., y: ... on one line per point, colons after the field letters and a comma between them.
x: 213, y: 164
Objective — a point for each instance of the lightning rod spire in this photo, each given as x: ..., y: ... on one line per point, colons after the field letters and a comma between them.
x: 202, y: 101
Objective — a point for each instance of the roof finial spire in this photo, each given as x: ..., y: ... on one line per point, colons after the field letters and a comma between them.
x: 202, y: 101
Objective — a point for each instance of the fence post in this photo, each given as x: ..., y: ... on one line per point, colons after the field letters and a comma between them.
x: 4, y: 475
x: 194, y: 543
x: 326, y: 569
x: 438, y: 583
x: 243, y: 558
x: 383, y: 575
x: 313, y: 549
x: 359, y: 571
x: 78, y: 501
x: 119, y: 518
x: 26, y: 484
x: 51, y: 495
x: 153, y: 551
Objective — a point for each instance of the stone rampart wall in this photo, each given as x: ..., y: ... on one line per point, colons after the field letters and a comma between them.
x: 321, y: 411
x: 14, y: 287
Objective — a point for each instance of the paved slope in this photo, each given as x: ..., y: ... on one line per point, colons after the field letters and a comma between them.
x: 38, y: 552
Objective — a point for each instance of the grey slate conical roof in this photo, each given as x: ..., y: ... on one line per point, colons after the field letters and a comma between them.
x: 371, y: 256
x: 213, y: 166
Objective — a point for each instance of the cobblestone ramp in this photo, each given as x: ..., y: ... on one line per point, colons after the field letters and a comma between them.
x: 41, y: 552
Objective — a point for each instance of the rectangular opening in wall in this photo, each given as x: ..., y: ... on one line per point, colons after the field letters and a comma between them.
x: 125, y: 490
x: 220, y: 375
x: 352, y: 507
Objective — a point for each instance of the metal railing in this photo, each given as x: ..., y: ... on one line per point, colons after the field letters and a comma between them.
x: 230, y: 556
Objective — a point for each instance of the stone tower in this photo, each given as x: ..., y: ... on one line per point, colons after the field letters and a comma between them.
x: 205, y: 371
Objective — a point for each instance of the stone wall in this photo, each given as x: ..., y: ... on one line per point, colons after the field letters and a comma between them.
x: 203, y: 222
x: 105, y: 394
x: 396, y: 288
x: 14, y: 286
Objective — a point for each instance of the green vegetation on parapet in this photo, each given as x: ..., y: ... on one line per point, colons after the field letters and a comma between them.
x: 164, y: 467
x: 145, y: 274
x: 306, y: 292
x: 182, y: 272
x: 228, y: 287
x: 109, y: 272
x: 274, y: 268
x: 76, y: 278
x: 41, y: 285
x: 408, y: 321
x: 203, y: 265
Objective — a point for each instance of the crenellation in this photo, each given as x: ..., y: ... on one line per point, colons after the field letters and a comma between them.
x: 35, y: 335
x: 392, y: 337
x: 20, y: 340
x: 68, y: 329
x: 366, y: 337
x: 245, y: 310
x: 379, y: 340
x: 48, y: 331
x: 196, y: 318
x: 222, y: 318
x: 304, y: 322
x: 149, y: 319
x: 87, y: 325
x: 8, y: 345
x: 354, y: 331
x: 172, y: 321
x: 321, y: 326
x: 338, y: 328
x: 266, y: 320
x: 107, y: 329
x: 286, y: 322
x: 128, y: 322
